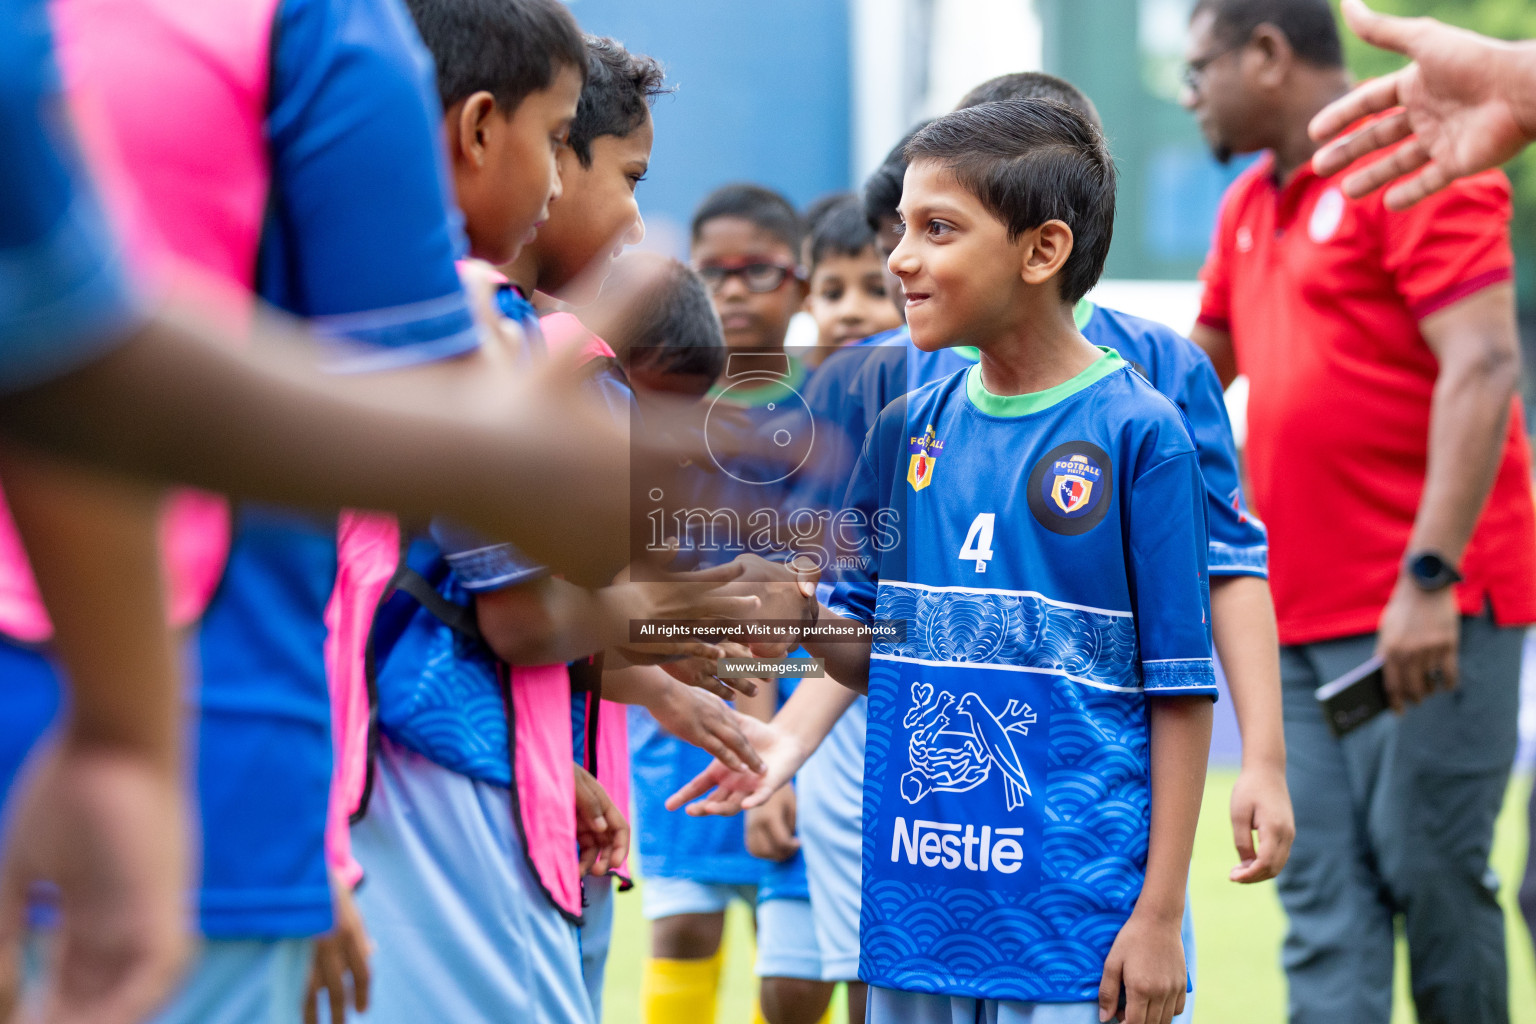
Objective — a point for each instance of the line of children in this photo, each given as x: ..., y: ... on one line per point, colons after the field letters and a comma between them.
x: 1037, y: 737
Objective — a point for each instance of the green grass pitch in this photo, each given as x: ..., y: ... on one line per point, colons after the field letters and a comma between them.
x: 1238, y: 931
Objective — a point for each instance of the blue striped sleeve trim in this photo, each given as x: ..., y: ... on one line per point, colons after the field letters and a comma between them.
x: 1232, y: 560
x: 388, y: 339
x: 492, y: 568
x: 1181, y: 676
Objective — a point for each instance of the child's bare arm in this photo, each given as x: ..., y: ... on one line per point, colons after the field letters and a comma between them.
x: 1146, y: 962
x: 784, y: 744
x: 1244, y: 633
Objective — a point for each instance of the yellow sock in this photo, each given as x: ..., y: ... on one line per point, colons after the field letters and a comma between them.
x: 680, y: 991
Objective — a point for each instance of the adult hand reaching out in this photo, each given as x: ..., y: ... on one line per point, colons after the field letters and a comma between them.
x: 1465, y: 104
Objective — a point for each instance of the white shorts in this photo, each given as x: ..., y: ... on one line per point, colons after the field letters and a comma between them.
x: 462, y: 929
x: 786, y: 941
x: 669, y: 897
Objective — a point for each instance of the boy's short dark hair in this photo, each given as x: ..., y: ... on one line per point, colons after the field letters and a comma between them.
x: 617, y: 96
x: 838, y: 228
x: 882, y: 189
x: 1030, y: 161
x: 763, y: 207
x: 673, y: 328
x: 508, y: 48
x: 1033, y: 85
x: 1307, y: 24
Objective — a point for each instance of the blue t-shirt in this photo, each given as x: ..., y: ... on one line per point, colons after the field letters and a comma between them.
x: 63, y: 297
x: 357, y: 237
x: 855, y: 383
x: 1047, y: 554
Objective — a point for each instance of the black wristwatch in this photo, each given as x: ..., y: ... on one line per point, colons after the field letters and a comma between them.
x: 1431, y: 571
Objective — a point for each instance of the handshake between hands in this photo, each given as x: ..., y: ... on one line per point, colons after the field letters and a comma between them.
x: 753, y: 759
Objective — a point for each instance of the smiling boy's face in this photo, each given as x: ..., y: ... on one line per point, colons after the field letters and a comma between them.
x: 596, y: 215
x: 959, y: 270
x: 505, y: 173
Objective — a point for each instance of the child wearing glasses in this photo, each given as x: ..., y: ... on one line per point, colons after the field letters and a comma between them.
x: 746, y: 247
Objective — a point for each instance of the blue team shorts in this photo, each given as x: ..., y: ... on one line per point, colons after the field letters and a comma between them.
x: 231, y: 981
x: 669, y: 897
x: 463, y: 931
x: 786, y: 940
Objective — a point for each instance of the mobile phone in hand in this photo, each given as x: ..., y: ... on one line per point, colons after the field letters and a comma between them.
x: 1354, y: 698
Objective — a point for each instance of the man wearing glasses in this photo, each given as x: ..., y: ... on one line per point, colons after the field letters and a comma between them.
x: 1389, y: 460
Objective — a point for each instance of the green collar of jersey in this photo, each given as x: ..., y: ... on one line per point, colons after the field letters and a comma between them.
x: 1081, y: 314
x: 772, y: 389
x: 1038, y: 401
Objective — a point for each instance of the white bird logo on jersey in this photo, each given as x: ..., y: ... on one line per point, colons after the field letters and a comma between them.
x: 949, y: 758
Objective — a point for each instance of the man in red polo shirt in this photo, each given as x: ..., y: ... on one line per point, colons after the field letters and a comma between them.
x: 1388, y: 458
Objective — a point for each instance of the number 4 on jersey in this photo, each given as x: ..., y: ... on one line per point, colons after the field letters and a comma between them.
x: 978, y: 541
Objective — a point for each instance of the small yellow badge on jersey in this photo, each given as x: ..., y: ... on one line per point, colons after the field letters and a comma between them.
x: 924, y: 453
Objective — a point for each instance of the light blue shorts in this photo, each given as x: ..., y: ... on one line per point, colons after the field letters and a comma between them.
x: 231, y: 981
x: 596, y: 936
x: 888, y: 1006
x: 669, y: 897
x: 786, y: 940
x: 829, y: 819
x: 463, y: 931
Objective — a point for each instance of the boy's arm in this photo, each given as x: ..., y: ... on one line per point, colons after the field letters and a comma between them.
x: 1244, y: 632
x: 686, y: 712
x: 1146, y: 962
x: 784, y: 745
x: 100, y: 812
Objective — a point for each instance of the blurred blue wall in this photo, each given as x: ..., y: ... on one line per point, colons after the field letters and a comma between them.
x: 762, y: 95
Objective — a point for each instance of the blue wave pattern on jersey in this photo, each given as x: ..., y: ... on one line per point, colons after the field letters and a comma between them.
x: 1012, y: 629
x: 440, y: 697
x: 1033, y: 937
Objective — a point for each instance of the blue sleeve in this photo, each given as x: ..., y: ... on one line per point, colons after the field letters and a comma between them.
x: 1171, y: 595
x: 64, y: 298
x: 854, y: 534
x: 361, y: 237
x: 1239, y: 545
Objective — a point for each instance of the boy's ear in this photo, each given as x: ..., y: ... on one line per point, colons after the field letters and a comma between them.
x: 471, y: 120
x: 1045, y: 250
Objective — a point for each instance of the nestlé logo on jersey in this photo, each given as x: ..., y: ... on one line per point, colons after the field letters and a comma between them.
x: 1070, y: 488
x: 925, y: 452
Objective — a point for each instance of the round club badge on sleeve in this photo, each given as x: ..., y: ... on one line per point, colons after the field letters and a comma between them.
x: 1070, y: 488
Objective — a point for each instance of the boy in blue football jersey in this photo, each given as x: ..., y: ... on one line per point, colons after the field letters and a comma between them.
x: 1038, y: 734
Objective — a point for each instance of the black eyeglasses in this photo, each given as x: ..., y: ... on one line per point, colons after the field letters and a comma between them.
x: 1194, y: 72
x: 760, y: 278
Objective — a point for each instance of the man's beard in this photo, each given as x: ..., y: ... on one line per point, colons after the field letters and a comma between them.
x: 1222, y: 152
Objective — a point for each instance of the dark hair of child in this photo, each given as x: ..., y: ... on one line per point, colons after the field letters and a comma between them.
x: 762, y: 207
x: 882, y: 190
x: 617, y: 96
x: 1033, y: 85
x: 508, y: 48
x: 1028, y: 162
x: 838, y: 228
x: 673, y: 330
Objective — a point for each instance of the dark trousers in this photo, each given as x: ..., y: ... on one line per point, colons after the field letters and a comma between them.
x: 1396, y: 820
